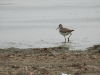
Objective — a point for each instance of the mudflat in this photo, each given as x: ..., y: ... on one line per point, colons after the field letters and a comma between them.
x: 50, y: 61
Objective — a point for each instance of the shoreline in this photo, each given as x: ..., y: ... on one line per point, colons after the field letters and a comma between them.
x: 50, y: 61
x: 55, y: 50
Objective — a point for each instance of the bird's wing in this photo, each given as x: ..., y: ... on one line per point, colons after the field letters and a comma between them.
x: 64, y: 30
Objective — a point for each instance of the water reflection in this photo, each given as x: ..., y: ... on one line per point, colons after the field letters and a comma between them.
x: 67, y: 45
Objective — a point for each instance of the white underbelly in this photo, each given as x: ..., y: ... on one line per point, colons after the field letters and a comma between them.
x: 64, y: 34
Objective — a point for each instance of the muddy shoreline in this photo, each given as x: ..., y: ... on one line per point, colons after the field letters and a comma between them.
x: 50, y: 61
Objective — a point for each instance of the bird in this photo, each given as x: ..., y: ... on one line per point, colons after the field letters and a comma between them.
x: 64, y: 31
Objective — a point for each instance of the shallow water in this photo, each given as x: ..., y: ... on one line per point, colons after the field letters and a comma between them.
x: 33, y: 23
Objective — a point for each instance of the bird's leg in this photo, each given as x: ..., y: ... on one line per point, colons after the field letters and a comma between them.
x: 65, y: 38
x: 69, y: 36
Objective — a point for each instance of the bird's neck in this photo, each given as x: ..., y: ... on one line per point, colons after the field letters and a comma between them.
x: 61, y: 28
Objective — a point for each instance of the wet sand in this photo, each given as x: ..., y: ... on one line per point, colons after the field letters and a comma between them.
x: 50, y: 61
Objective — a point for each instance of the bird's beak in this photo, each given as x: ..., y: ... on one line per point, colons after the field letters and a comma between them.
x: 57, y: 28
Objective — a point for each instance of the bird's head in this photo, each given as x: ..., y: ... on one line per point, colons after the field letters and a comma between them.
x: 60, y: 26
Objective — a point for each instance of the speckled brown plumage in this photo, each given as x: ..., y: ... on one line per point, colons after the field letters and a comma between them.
x: 64, y: 31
